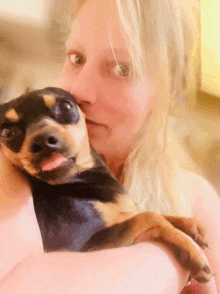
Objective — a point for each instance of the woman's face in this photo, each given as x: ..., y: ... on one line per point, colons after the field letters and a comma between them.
x: 96, y: 73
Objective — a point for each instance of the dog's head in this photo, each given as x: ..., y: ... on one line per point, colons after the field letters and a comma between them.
x: 44, y: 133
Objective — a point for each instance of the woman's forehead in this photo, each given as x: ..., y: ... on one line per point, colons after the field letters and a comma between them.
x: 98, y: 24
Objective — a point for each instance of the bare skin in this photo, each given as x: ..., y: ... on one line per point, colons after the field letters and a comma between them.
x: 28, y: 262
x: 149, y: 267
x: 18, y: 225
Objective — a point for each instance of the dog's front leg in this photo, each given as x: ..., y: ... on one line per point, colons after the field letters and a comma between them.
x: 149, y: 226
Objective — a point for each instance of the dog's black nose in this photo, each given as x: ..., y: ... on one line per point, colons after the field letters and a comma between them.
x: 44, y: 142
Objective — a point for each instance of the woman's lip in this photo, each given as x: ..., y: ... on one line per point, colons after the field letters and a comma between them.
x: 88, y: 121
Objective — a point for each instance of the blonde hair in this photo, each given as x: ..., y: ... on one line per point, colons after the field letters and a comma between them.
x: 161, y: 36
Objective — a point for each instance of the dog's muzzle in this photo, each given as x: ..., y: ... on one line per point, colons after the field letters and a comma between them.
x: 45, y: 143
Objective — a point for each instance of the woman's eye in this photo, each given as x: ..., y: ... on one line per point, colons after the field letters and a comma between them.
x: 121, y: 70
x: 76, y: 58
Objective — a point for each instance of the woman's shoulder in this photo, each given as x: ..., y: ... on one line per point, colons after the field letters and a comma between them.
x: 193, y: 190
x: 198, y: 189
x: 188, y: 176
x: 200, y: 186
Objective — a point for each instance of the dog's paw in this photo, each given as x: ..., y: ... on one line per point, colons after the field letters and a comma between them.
x: 204, y: 274
x: 196, y: 265
x: 191, y: 227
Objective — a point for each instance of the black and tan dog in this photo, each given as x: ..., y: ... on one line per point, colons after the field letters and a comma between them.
x: 79, y: 205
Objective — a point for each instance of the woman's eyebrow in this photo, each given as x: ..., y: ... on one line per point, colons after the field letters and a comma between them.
x: 116, y: 54
x: 117, y: 51
x: 74, y: 47
x: 112, y: 52
x: 70, y: 43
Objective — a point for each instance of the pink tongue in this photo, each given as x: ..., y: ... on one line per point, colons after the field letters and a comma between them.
x: 53, y: 162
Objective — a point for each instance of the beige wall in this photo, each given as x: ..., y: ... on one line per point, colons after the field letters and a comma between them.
x: 210, y: 46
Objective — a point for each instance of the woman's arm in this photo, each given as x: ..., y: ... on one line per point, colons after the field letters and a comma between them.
x: 19, y: 232
x: 206, y: 209
x: 143, y: 268
x: 140, y: 268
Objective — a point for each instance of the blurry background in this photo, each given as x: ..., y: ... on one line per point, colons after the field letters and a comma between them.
x: 31, y: 44
x: 32, y: 36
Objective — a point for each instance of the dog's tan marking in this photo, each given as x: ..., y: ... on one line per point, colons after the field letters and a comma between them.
x: 116, y: 212
x: 12, y: 156
x: 49, y: 100
x: 75, y: 137
x: 12, y: 115
x: 84, y: 159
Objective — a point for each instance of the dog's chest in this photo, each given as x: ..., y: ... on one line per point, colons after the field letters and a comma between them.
x: 66, y: 222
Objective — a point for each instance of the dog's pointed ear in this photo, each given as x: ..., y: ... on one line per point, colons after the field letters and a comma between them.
x: 3, y: 108
x: 2, y: 111
x: 28, y: 90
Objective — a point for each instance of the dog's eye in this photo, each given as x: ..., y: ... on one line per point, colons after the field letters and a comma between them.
x: 6, y: 133
x: 9, y: 132
x: 65, y: 112
x: 63, y: 106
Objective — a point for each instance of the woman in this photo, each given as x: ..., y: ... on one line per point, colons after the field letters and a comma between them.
x: 124, y: 63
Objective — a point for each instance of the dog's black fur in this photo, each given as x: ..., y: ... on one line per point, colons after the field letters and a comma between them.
x: 79, y: 204
x: 65, y: 212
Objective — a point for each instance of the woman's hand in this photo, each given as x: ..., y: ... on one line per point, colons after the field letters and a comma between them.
x: 19, y: 232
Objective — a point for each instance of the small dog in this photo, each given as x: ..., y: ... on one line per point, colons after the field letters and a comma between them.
x: 79, y: 204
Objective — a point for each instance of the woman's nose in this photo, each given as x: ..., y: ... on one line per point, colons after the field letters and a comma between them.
x: 83, y: 86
